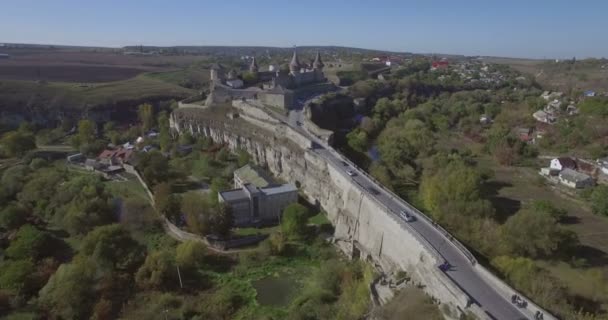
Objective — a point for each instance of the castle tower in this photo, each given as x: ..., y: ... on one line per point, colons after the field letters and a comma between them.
x: 254, y: 66
x: 294, y: 65
x: 318, y: 63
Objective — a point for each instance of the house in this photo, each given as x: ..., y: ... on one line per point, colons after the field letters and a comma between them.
x: 184, y: 150
x: 485, y: 119
x: 235, y: 83
x: 92, y: 164
x: 589, y: 93
x: 603, y: 164
x: 76, y: 158
x: 571, y: 110
x: 547, y: 95
x: 562, y: 163
x: 544, y: 117
x: 251, y: 205
x: 441, y: 64
x: 524, y: 134
x: 118, y: 156
x: 553, y: 107
x: 574, y: 179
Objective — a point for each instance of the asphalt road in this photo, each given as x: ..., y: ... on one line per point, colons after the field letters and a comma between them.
x: 462, y: 272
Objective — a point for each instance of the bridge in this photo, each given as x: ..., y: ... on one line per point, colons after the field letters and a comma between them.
x: 368, y: 215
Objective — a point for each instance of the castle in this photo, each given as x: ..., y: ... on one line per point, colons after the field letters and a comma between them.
x: 274, y: 87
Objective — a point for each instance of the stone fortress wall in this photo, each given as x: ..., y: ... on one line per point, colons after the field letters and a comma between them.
x: 363, y: 226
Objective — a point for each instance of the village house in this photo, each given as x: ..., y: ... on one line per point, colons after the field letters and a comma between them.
x: 603, y: 164
x: 575, y: 179
x: 544, y: 117
x: 524, y: 134
x: 118, y: 156
x: 562, y: 163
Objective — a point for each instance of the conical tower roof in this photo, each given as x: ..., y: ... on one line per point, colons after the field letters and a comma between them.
x: 254, y: 66
x: 318, y: 64
x: 294, y: 65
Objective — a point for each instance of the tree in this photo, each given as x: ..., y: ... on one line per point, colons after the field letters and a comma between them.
x: 86, y: 132
x: 293, y: 222
x: 145, y: 112
x: 13, y: 216
x: 536, y: 234
x: 220, y: 220
x: 89, y: 206
x: 17, y: 143
x: 164, y: 136
x: 357, y: 140
x: 196, y: 213
x: 190, y: 254
x: 112, y: 247
x: 243, y: 157
x: 30, y: 243
x: 599, y: 200
x: 15, y: 274
x: 154, y: 166
x: 158, y: 271
x: 68, y: 294
x: 454, y: 182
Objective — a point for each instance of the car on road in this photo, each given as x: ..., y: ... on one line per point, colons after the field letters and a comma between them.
x: 408, y: 217
x: 373, y: 190
x: 299, y: 123
x: 351, y: 172
x: 344, y: 163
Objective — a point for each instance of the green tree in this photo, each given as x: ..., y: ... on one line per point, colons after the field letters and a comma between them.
x: 68, y: 294
x: 196, y: 212
x: 357, y: 140
x: 243, y: 157
x: 536, y: 234
x: 89, y: 206
x: 599, y: 200
x: 158, y: 271
x: 190, y: 254
x: 220, y: 220
x: 164, y: 135
x: 30, y: 243
x: 86, y: 132
x: 17, y: 143
x: 293, y: 221
x: 13, y: 216
x: 112, y: 247
x: 145, y: 112
x: 154, y: 166
x: 15, y: 274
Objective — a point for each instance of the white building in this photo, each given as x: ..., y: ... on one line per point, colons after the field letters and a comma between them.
x: 575, y: 179
x: 562, y: 163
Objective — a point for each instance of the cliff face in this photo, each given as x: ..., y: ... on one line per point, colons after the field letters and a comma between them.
x: 363, y: 227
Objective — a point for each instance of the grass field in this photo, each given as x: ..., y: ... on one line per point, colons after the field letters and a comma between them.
x: 26, y: 94
x: 582, y: 75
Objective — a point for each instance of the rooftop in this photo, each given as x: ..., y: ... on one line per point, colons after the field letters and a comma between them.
x: 253, y: 175
x: 574, y: 176
x: 233, y: 195
x: 280, y: 189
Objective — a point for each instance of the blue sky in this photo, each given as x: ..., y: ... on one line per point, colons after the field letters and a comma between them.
x: 516, y: 28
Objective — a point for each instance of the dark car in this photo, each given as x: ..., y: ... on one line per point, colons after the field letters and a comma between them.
x: 373, y: 190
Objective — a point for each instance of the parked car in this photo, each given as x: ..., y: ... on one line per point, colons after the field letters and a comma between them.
x: 406, y: 216
x: 351, y: 173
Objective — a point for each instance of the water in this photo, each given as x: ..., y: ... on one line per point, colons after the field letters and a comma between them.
x: 275, y: 291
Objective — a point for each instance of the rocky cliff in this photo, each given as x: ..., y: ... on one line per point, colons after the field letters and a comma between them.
x: 363, y: 227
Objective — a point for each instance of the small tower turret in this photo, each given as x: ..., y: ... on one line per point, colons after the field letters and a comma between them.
x: 294, y: 65
x: 254, y: 66
x: 318, y: 63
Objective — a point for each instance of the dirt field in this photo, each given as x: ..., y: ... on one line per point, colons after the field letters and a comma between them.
x: 85, y: 66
